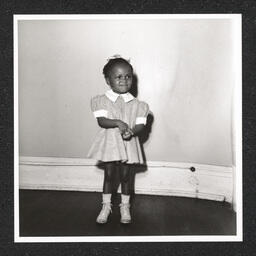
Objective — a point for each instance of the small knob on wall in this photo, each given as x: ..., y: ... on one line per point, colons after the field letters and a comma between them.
x: 192, y: 169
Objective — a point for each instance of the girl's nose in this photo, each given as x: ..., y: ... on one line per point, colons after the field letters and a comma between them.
x: 123, y: 78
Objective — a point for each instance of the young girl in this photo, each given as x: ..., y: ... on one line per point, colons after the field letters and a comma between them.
x: 121, y: 118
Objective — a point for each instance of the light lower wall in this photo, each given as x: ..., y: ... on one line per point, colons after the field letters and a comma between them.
x: 160, y: 178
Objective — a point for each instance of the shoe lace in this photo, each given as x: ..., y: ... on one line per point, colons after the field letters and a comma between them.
x: 124, y: 207
x: 106, y: 206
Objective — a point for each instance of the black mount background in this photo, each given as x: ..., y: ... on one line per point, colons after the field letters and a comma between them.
x: 11, y: 7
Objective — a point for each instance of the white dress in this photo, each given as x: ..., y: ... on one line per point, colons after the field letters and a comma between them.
x: 109, y: 145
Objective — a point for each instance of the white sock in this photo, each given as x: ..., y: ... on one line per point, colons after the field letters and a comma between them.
x: 125, y: 199
x: 106, y: 198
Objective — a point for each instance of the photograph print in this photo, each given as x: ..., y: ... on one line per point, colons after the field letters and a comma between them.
x: 128, y: 128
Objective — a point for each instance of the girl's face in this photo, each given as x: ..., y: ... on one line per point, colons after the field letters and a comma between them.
x: 120, y: 78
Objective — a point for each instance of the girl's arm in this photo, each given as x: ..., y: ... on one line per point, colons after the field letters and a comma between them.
x: 112, y: 123
x: 137, y: 129
x: 133, y: 132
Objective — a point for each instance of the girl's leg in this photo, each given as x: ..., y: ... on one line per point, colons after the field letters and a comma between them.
x: 125, y: 196
x: 125, y: 178
x: 108, y: 177
x: 107, y: 192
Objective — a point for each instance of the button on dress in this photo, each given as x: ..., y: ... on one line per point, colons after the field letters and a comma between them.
x: 108, y: 144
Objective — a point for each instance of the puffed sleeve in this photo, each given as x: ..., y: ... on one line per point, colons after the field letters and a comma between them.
x: 142, y: 113
x: 98, y: 106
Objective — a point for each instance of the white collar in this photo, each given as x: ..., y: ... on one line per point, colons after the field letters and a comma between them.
x: 113, y: 96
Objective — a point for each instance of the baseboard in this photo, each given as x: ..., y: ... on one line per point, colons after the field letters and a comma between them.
x: 160, y: 178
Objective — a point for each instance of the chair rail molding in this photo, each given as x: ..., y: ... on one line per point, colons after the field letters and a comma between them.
x: 158, y: 178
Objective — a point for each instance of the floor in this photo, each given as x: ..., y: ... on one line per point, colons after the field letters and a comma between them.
x: 66, y: 213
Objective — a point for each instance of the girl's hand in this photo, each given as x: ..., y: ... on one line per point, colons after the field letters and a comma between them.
x: 128, y: 134
x: 122, y: 126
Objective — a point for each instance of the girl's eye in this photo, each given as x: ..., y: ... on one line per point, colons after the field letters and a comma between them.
x: 126, y: 77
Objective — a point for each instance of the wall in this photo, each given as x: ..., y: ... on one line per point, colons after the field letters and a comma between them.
x: 184, y: 69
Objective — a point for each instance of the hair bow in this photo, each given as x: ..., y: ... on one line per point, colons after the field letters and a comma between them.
x: 116, y: 56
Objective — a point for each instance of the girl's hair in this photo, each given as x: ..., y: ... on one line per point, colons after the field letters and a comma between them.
x: 112, y: 62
